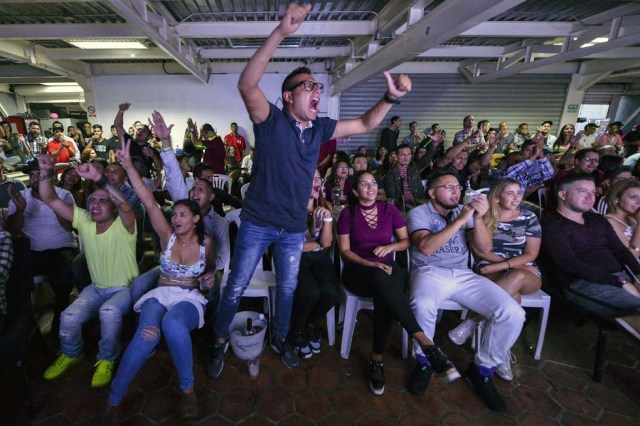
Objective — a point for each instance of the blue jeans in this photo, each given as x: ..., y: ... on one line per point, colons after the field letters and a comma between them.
x: 110, y: 304
x: 251, y: 243
x: 144, y: 283
x: 176, y: 324
x: 604, y: 300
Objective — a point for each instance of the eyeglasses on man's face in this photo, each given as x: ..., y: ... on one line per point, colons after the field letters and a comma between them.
x: 449, y: 188
x: 309, y: 86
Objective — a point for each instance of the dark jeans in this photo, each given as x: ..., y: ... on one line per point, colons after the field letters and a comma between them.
x: 56, y: 264
x: 317, y: 292
x: 390, y: 302
x: 604, y: 300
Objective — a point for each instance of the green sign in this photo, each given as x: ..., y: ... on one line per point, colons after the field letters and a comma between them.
x: 572, y: 108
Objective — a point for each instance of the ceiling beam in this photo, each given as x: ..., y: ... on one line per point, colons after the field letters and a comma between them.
x: 520, y: 29
x: 282, y: 52
x: 263, y: 29
x: 58, y: 31
x: 571, y: 55
x: 160, y: 36
x: 105, y: 54
x: 446, y: 21
x: 27, y: 53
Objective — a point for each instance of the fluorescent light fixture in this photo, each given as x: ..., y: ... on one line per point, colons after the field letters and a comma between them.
x: 61, y: 84
x: 107, y: 43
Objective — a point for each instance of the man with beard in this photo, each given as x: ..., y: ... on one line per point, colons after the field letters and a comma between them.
x: 440, y: 259
x: 53, y: 246
x: 275, y: 207
x: 586, y: 255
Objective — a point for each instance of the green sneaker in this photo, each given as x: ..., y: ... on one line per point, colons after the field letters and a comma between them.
x: 102, y: 375
x: 61, y: 365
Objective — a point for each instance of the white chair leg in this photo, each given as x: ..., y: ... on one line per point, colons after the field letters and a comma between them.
x: 351, y: 312
x: 331, y: 326
x: 543, y: 327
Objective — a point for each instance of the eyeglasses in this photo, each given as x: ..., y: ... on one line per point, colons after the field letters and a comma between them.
x: 449, y: 187
x: 342, y: 168
x: 309, y: 86
x: 591, y: 159
x: 365, y: 184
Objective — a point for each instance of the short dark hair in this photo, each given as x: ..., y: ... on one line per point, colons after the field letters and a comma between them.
x: 584, y: 151
x: 434, y: 125
x: 413, y: 122
x: 609, y: 161
x: 97, y: 126
x: 113, y: 126
x: 100, y: 160
x: 571, y: 178
x: 526, y: 144
x: 615, y: 172
x: 482, y: 123
x: 435, y: 177
x: 206, y: 127
x: 286, y: 84
x: 234, y: 124
x: 199, y: 168
x: 34, y: 123
x: 547, y: 121
x: 402, y: 146
x: 395, y: 118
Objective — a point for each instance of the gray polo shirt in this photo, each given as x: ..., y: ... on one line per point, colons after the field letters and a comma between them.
x: 454, y: 253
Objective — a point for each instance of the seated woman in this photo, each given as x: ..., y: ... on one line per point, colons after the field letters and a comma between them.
x: 623, y: 203
x: 378, y: 160
x: 510, y: 263
x: 70, y: 180
x: 563, y: 143
x: 318, y: 286
x: 175, y: 307
x: 365, y: 232
x: 339, y: 178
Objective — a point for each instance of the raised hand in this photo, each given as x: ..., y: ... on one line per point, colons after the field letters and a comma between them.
x: 162, y: 131
x: 124, y: 106
x: 480, y: 205
x: 89, y: 171
x: 399, y: 87
x: 17, y: 198
x: 193, y: 127
x: 46, y: 162
x: 123, y: 155
x: 293, y: 18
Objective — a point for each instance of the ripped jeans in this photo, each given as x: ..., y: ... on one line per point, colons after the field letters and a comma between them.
x: 110, y: 304
x: 251, y: 243
x: 155, y: 320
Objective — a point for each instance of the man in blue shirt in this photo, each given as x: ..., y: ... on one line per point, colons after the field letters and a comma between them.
x: 275, y: 207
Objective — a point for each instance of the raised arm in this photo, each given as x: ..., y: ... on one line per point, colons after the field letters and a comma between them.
x: 249, y: 82
x: 158, y: 221
x: 47, y: 193
x: 119, y: 120
x: 369, y: 120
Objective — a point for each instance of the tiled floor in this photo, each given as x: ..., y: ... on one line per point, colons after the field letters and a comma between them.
x: 328, y: 390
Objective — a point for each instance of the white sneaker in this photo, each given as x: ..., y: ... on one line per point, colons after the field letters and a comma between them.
x: 462, y: 332
x: 504, y: 369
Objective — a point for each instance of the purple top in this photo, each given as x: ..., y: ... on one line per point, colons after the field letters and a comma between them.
x: 362, y: 238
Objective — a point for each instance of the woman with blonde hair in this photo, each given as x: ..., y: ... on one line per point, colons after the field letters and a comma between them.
x: 623, y: 202
x: 516, y: 236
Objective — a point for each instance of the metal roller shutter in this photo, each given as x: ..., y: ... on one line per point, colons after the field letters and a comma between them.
x: 602, y: 94
x: 447, y: 98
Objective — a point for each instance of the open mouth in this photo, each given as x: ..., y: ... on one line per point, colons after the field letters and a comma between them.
x: 313, y: 106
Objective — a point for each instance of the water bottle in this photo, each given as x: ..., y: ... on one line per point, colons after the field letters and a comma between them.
x: 248, y: 331
x: 335, y: 195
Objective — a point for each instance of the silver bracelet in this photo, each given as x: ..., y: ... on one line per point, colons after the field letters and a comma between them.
x: 327, y: 219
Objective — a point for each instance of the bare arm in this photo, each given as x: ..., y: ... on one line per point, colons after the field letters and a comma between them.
x: 47, y: 193
x: 454, y: 152
x: 158, y: 221
x: 248, y: 84
x: 119, y: 120
x: 370, y: 119
x: 429, y: 242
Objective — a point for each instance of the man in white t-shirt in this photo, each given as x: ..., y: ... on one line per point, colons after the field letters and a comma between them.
x: 588, y: 138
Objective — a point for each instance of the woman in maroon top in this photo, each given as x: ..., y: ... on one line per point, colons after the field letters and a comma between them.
x: 365, y: 232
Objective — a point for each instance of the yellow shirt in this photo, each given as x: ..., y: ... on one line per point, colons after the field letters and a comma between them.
x: 111, y: 256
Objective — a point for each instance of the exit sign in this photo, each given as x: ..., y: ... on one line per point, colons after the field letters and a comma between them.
x: 572, y: 108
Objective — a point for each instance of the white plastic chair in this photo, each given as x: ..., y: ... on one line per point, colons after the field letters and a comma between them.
x: 543, y: 194
x: 222, y: 181
x: 243, y: 190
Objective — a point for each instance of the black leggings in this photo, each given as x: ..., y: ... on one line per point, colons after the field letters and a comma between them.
x: 390, y: 302
x: 317, y: 292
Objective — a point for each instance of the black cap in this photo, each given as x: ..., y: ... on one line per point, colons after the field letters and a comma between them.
x: 591, y: 125
x: 617, y: 123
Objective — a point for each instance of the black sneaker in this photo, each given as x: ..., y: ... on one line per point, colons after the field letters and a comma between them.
x: 302, y: 345
x: 215, y: 360
x: 483, y: 386
x: 376, y: 377
x: 420, y: 377
x: 440, y: 363
x: 287, y: 354
x: 313, y: 335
